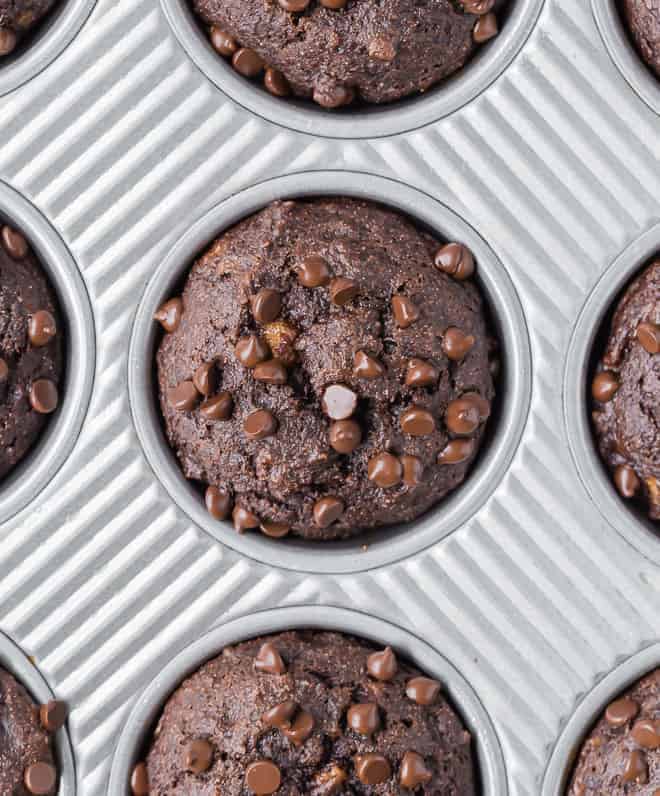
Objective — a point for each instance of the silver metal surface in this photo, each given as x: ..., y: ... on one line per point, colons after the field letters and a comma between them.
x: 14, y: 661
x: 384, y: 545
x: 123, y: 144
x: 148, y: 708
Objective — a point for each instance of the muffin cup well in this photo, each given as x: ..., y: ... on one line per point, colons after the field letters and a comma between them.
x: 384, y: 545
x: 49, y: 452
x: 586, y: 343
x: 14, y: 660
x: 620, y: 46
x: 586, y: 714
x: 44, y: 44
x: 371, y: 122
x: 149, y: 706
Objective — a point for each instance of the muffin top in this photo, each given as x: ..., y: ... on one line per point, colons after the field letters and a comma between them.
x: 326, y: 370
x: 30, y: 349
x: 626, y: 389
x: 643, y: 17
x: 621, y: 756
x: 17, y: 17
x: 337, y: 51
x: 26, y: 758
x: 314, y: 713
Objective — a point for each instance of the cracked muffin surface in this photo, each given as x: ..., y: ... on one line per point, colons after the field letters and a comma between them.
x: 337, y: 51
x: 643, y: 18
x: 621, y: 756
x: 30, y: 349
x: 315, y: 713
x: 18, y: 18
x: 626, y: 390
x: 326, y: 369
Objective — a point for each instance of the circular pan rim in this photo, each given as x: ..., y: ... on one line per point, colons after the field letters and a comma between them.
x: 388, y: 544
x: 464, y: 698
x: 403, y: 116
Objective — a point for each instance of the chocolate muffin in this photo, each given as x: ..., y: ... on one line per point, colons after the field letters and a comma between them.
x: 621, y: 756
x: 27, y: 765
x: 337, y: 51
x: 312, y: 713
x: 626, y: 389
x: 643, y: 18
x: 30, y: 349
x: 17, y: 18
x: 326, y: 370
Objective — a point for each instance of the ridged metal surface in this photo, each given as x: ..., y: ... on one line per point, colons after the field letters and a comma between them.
x: 122, y: 144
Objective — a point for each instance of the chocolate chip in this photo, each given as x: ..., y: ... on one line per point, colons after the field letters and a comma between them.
x: 8, y: 41
x: 328, y: 510
x: 222, y: 42
x: 345, y: 436
x: 363, y: 718
x: 183, y: 397
x: 276, y: 83
x: 266, y: 305
x: 463, y: 416
x: 456, y: 451
x: 417, y: 422
x: 636, y: 768
x: 4, y: 370
x: 263, y: 777
x: 646, y: 733
x: 626, y: 481
x: 413, y: 470
x: 604, y: 386
x: 414, y: 771
x: 372, y: 768
x: 422, y: 690
x: 41, y: 328
x: 621, y: 711
x: 486, y: 28
x: 366, y: 367
x: 219, y: 407
x: 281, y: 715
x: 169, y: 314
x: 383, y: 665
x: 333, y: 96
x: 343, y: 290
x: 280, y: 337
x: 339, y: 402
x: 251, y: 350
x: 294, y: 6
x: 204, y: 379
x: 218, y: 502
x: 479, y: 7
x: 43, y: 396
x: 456, y: 344
x: 15, y: 244
x: 330, y: 781
x: 260, y: 424
x: 40, y: 778
x: 385, y: 470
x: 244, y: 520
x: 198, y: 756
x: 140, y: 780
x: 269, y: 660
x: 301, y: 729
x: 456, y: 260
x: 405, y: 312
x: 314, y: 272
x: 271, y: 372
x: 648, y: 335
x: 247, y: 63
x: 275, y: 530
x: 421, y: 373
x: 52, y: 715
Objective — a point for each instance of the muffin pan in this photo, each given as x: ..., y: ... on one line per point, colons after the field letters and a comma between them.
x: 125, y: 157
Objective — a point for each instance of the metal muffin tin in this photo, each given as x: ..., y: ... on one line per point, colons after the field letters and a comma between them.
x: 145, y: 713
x: 14, y: 661
x: 128, y: 153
